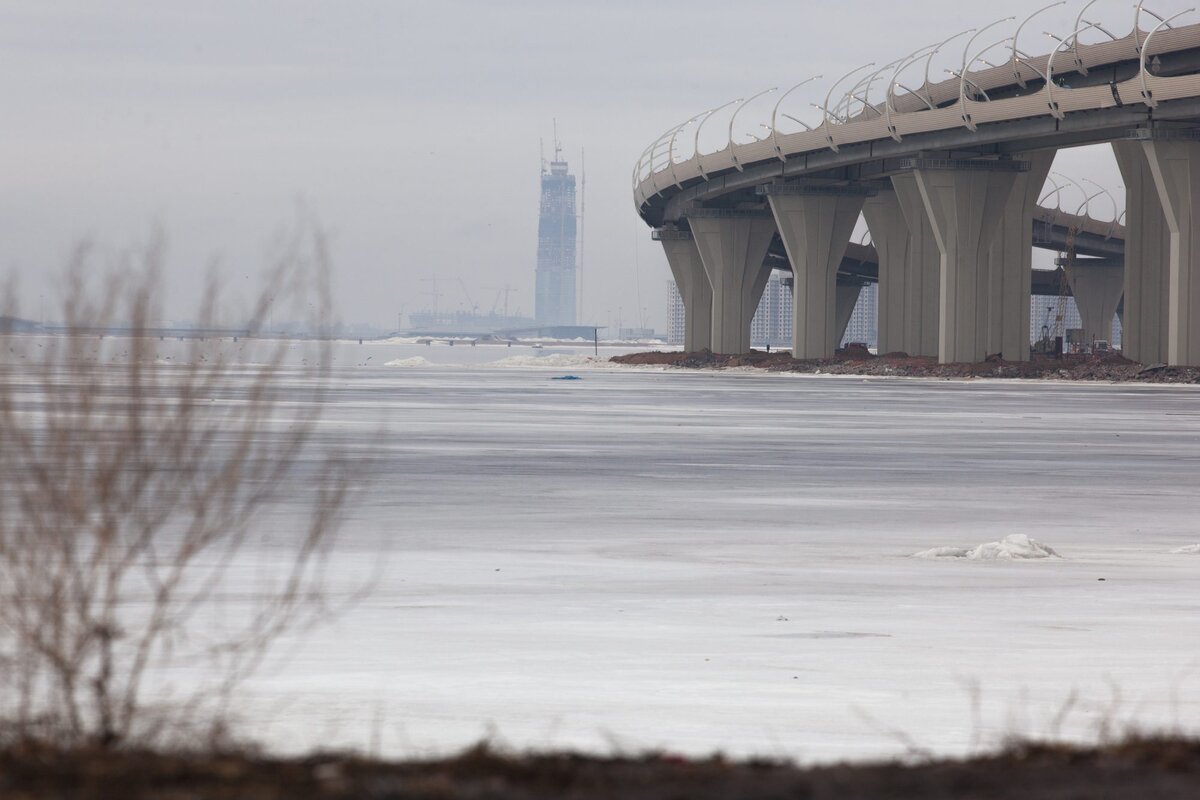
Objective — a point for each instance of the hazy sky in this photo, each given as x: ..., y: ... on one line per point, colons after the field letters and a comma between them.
x: 410, y: 128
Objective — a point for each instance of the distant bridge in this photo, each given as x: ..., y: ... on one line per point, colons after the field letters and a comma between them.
x: 948, y: 176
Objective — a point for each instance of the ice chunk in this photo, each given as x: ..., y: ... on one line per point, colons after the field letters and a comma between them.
x: 415, y: 361
x: 1013, y: 547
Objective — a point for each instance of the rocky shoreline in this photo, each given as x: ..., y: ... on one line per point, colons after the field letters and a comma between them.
x: 1109, y: 367
x: 1143, y: 768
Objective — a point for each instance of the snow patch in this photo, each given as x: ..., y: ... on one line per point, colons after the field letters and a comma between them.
x: 1191, y: 549
x: 391, y: 340
x: 556, y: 360
x: 1016, y: 546
x: 415, y: 361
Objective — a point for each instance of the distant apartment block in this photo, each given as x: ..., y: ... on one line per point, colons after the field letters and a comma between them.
x: 773, y: 321
x: 772, y: 324
x: 675, y: 318
x: 864, y: 321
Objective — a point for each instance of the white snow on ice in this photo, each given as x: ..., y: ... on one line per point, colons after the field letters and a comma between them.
x: 415, y: 361
x: 1191, y: 549
x: 556, y: 360
x: 1014, y: 547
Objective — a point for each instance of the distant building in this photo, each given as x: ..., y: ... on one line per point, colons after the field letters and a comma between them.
x: 675, y: 314
x: 641, y: 334
x: 773, y: 321
x: 864, y: 321
x: 1043, y: 310
x: 555, y: 299
x: 463, y: 322
x: 772, y: 324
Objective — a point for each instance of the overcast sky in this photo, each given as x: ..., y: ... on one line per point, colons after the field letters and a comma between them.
x: 410, y: 128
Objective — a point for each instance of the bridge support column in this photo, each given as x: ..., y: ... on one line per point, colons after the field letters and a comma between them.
x: 1175, y: 165
x: 1010, y: 262
x: 909, y: 267
x: 889, y: 232
x: 733, y: 247
x: 1097, y: 289
x: 815, y: 225
x: 684, y: 259
x: 1147, y: 259
x: 846, y: 300
x: 964, y: 202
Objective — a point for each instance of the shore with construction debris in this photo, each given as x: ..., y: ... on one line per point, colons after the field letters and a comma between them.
x: 1165, y: 768
x: 1105, y: 367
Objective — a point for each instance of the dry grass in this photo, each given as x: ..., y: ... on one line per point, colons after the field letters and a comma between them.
x: 131, y: 486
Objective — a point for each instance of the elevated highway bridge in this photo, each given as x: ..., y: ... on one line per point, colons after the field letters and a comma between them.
x: 947, y: 177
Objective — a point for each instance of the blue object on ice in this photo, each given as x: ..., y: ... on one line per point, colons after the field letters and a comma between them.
x: 567, y: 378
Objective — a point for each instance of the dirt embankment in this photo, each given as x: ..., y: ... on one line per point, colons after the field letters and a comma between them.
x: 1150, y: 769
x: 857, y: 361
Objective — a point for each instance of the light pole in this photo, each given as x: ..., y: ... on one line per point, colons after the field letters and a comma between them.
x: 733, y: 118
x: 775, y: 116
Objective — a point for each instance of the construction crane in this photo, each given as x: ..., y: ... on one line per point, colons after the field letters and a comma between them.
x: 1067, y: 257
x: 474, y: 307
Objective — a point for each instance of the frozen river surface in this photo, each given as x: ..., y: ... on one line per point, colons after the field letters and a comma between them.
x: 699, y: 562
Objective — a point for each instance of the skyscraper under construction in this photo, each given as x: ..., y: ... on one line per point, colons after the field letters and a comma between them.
x: 555, y: 303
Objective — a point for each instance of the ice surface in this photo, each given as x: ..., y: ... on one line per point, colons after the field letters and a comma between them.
x: 702, y: 561
x: 1014, y: 547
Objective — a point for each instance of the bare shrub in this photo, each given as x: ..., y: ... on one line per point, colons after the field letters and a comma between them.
x: 137, y: 473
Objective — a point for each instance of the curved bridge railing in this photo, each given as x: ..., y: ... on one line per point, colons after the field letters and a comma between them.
x: 1022, y: 87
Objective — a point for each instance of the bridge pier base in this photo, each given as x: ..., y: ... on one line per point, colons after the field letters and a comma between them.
x: 1175, y: 165
x: 1010, y: 262
x: 1147, y: 259
x: 733, y: 246
x: 909, y: 267
x: 964, y: 207
x: 684, y: 260
x: 815, y: 225
x: 1097, y: 289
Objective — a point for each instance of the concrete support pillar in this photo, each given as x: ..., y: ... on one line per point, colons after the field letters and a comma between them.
x: 815, y: 226
x: 964, y: 205
x: 1175, y: 165
x: 1010, y: 262
x: 1147, y: 260
x: 684, y: 259
x: 733, y: 246
x: 909, y: 266
x: 889, y: 232
x: 847, y: 299
x: 1097, y: 289
x: 923, y: 273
